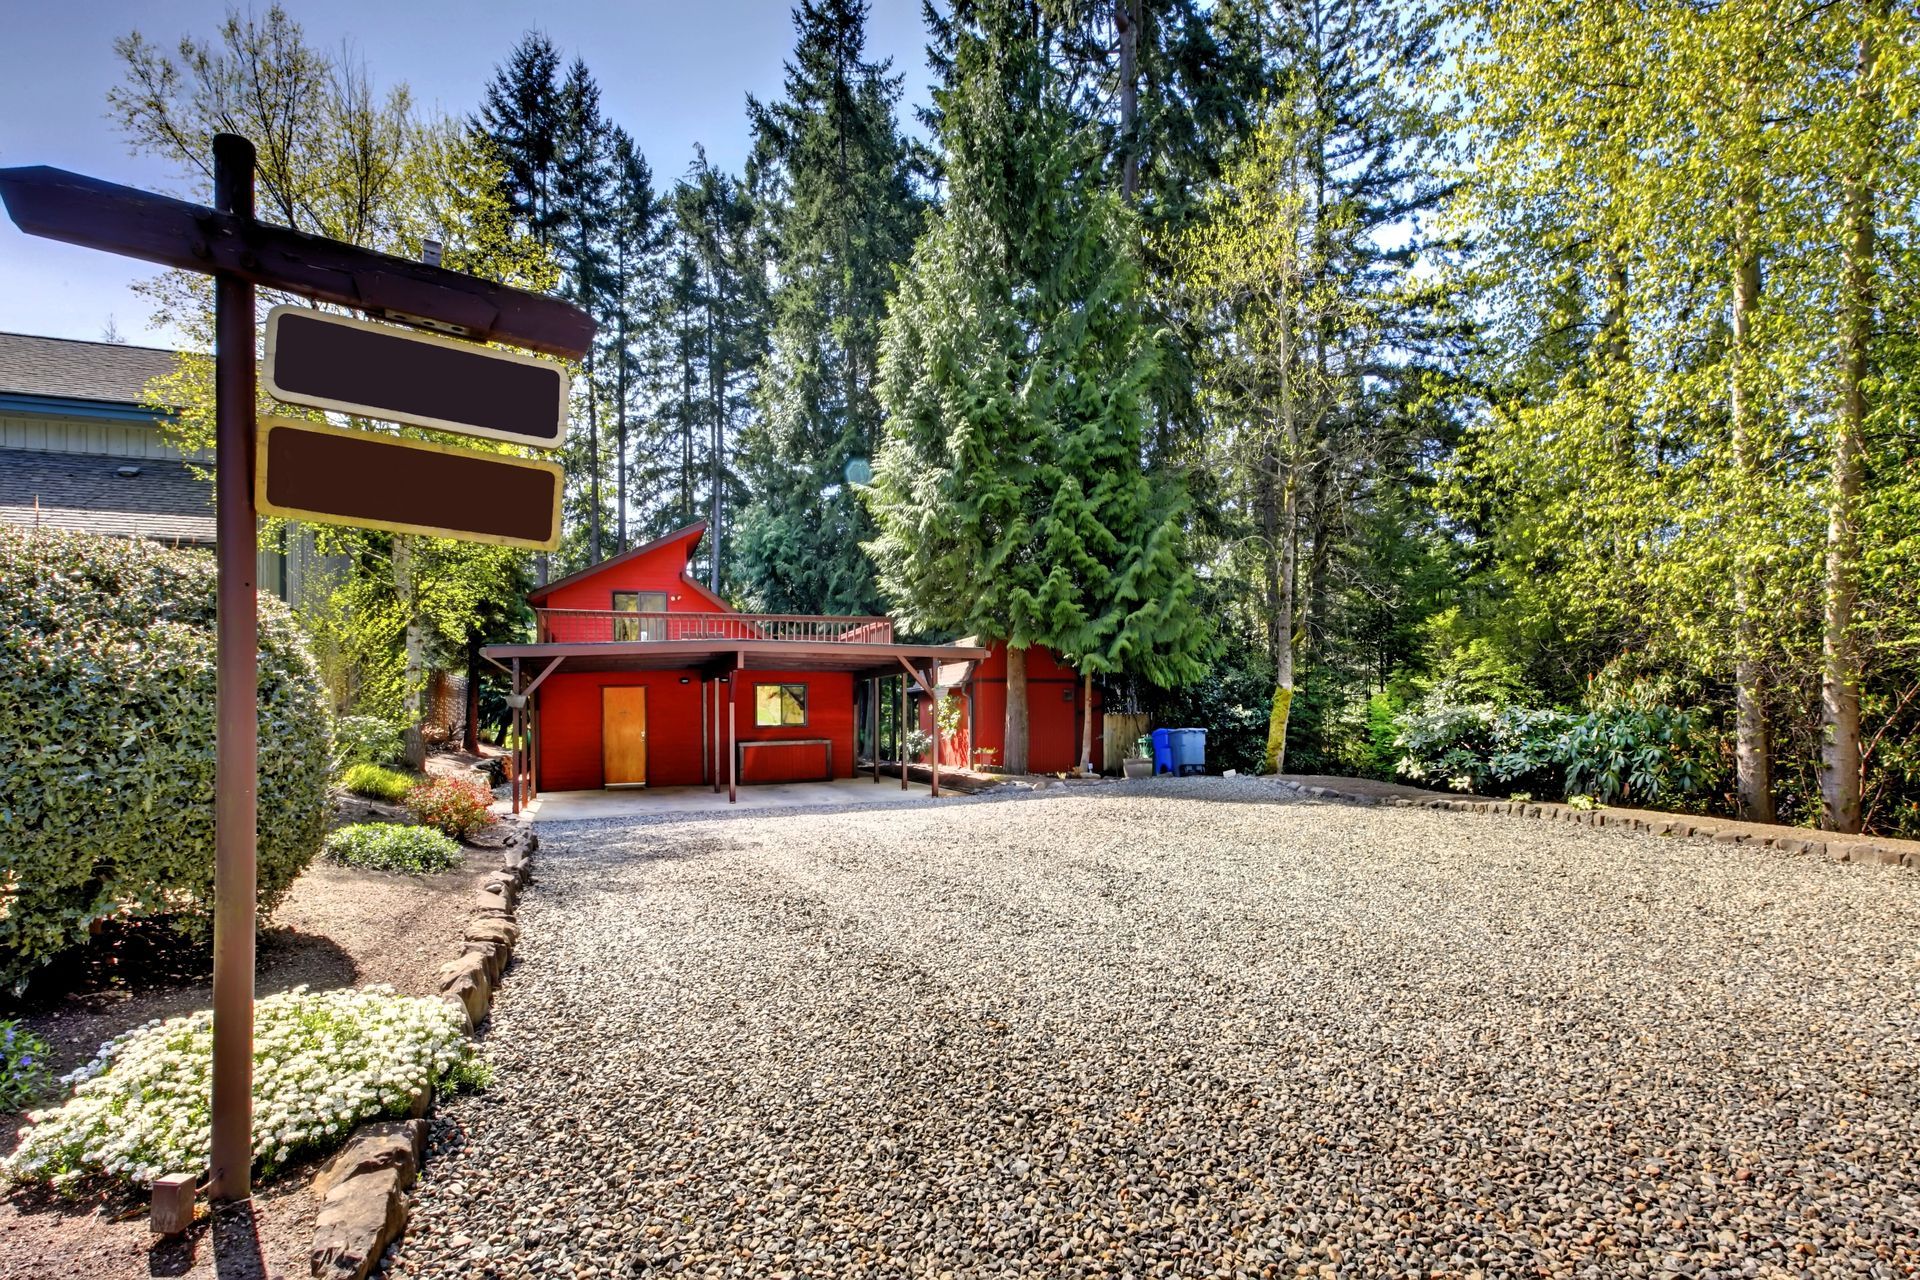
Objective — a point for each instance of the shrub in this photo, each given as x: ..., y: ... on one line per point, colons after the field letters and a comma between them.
x: 23, y: 1066
x: 1646, y: 753
x: 366, y: 740
x: 1651, y: 755
x: 451, y: 805
x: 322, y: 1062
x: 106, y: 742
x: 377, y: 783
x: 392, y: 846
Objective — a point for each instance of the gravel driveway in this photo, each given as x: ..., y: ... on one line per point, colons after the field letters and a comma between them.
x: 1188, y: 1028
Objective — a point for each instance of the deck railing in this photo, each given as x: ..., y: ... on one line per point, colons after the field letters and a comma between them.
x: 606, y: 626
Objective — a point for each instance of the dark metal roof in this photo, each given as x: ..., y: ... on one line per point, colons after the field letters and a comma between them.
x: 718, y: 655
x: 86, y: 492
x: 69, y: 369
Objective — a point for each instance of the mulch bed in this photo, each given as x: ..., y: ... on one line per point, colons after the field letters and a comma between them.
x: 339, y: 927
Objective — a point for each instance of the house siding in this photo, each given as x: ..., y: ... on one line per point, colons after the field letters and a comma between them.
x: 1054, y: 710
x: 570, y: 753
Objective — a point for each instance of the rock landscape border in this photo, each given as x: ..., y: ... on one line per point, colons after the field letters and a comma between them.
x: 1838, y: 848
x: 363, y: 1188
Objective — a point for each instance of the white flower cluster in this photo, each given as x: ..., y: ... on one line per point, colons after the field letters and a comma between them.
x: 322, y: 1061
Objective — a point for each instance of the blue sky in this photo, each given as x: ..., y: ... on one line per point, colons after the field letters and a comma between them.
x: 674, y: 72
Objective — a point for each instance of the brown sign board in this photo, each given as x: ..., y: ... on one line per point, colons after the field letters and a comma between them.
x: 76, y: 209
x: 330, y: 475
x: 378, y: 371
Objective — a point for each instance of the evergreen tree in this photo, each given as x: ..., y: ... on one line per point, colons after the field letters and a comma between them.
x: 1009, y: 495
x: 521, y: 112
x: 636, y: 231
x: 832, y: 178
x: 721, y: 279
x: 582, y: 198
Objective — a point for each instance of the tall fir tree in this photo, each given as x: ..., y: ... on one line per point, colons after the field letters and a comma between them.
x: 582, y: 204
x: 720, y: 258
x: 1009, y: 496
x: 832, y: 177
x: 521, y: 111
x: 634, y: 265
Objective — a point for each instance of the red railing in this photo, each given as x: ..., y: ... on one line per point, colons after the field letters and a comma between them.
x: 605, y: 626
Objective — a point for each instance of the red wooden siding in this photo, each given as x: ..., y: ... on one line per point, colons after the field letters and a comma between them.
x: 1054, y: 695
x: 569, y: 727
x: 662, y: 570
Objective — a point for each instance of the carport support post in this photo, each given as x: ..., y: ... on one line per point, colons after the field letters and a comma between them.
x: 513, y: 756
x: 903, y: 733
x: 236, y: 698
x: 936, y: 732
x: 873, y: 713
x: 733, y: 737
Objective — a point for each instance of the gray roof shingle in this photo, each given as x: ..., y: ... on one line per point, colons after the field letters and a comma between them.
x: 110, y: 372
x: 85, y: 492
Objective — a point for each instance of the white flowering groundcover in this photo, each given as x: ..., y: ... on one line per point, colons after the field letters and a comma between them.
x: 322, y: 1061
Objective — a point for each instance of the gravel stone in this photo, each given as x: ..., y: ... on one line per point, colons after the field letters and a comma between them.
x: 1193, y: 1027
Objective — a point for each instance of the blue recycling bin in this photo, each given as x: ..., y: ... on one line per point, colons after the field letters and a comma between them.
x: 1189, y: 750
x: 1162, y: 751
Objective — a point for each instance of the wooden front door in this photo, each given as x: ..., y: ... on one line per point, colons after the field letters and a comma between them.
x: 623, y: 735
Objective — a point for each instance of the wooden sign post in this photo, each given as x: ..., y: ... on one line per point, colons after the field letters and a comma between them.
x: 241, y: 253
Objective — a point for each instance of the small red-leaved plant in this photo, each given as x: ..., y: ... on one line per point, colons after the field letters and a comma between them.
x: 453, y: 805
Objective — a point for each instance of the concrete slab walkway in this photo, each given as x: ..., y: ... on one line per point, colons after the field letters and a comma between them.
x: 649, y: 802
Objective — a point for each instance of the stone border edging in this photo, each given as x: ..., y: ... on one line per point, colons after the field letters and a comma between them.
x: 363, y: 1188
x: 1836, y: 849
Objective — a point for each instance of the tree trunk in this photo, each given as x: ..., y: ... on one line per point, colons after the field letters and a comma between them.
x: 1753, y: 751
x: 717, y: 393
x: 413, y: 675
x: 1126, y: 21
x: 1840, y: 672
x: 1275, y: 760
x: 1086, y: 724
x: 470, y: 739
x: 1016, y: 743
x: 620, y: 441
x: 593, y: 466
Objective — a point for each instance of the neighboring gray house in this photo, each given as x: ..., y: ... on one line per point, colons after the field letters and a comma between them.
x: 81, y: 450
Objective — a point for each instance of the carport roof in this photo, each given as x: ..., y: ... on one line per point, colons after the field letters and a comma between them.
x: 717, y: 657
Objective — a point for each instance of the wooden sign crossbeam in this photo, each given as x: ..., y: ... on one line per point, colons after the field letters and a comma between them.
x: 85, y: 211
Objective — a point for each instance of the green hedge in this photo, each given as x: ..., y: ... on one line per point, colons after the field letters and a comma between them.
x: 106, y: 742
x: 392, y: 846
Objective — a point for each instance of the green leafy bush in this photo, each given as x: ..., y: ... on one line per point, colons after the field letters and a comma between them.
x: 392, y: 846
x: 452, y: 805
x: 366, y: 740
x: 23, y: 1066
x: 1640, y: 752
x: 1659, y: 756
x: 106, y: 742
x: 377, y: 783
x: 322, y: 1062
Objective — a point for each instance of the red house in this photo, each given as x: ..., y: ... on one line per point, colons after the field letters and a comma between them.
x: 639, y: 676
